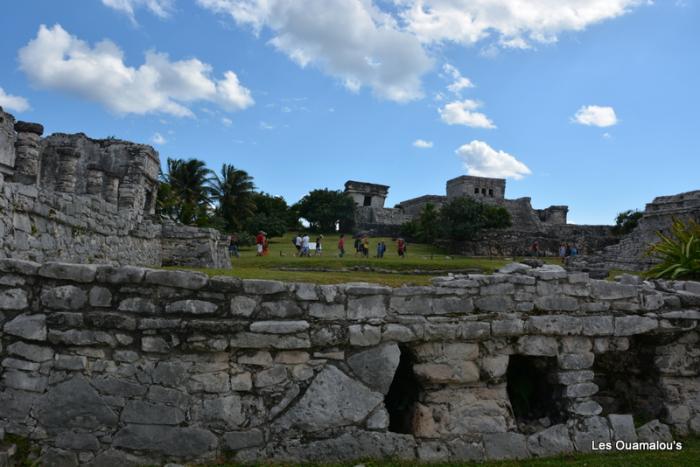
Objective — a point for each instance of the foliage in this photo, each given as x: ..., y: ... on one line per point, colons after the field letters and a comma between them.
x: 234, y: 195
x: 410, y: 230
x: 626, y: 221
x: 324, y: 208
x: 184, y: 193
x: 428, y: 224
x: 272, y: 215
x: 678, y: 252
x: 463, y: 218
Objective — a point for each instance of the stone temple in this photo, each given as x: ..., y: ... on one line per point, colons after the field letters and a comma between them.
x: 547, y: 226
x: 74, y: 198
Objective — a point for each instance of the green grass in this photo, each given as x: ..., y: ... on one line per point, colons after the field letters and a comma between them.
x: 283, y: 264
x: 689, y: 455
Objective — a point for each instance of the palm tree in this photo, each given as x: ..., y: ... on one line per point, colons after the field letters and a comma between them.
x: 233, y: 192
x: 189, y: 182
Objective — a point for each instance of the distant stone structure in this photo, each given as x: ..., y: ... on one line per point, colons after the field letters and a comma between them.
x: 129, y: 366
x: 74, y: 198
x: 630, y: 253
x: 547, y: 226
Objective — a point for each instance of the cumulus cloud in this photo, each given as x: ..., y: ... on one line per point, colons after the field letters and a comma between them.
x: 423, y: 144
x: 57, y: 60
x: 595, y: 115
x: 459, y: 82
x: 510, y: 23
x: 463, y: 113
x: 13, y: 103
x: 158, y: 139
x: 351, y: 40
x: 482, y: 160
x: 161, y: 8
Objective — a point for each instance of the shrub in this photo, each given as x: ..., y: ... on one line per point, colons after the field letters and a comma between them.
x: 626, y: 221
x: 678, y: 252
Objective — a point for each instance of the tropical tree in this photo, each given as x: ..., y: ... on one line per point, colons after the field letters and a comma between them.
x: 325, y: 208
x: 184, y: 192
x: 233, y: 192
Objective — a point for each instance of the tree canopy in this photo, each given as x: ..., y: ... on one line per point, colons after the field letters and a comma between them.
x: 324, y: 208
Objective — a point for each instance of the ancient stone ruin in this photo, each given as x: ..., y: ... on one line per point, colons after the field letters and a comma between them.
x: 546, y: 226
x: 107, y: 365
x: 74, y: 198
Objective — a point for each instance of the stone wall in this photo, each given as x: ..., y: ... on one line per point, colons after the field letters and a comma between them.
x: 105, y: 365
x: 182, y: 245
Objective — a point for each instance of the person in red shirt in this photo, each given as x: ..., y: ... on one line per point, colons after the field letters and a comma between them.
x: 341, y: 246
x: 259, y: 243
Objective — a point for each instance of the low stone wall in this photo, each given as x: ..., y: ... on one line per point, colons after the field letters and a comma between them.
x: 105, y: 365
x: 182, y: 245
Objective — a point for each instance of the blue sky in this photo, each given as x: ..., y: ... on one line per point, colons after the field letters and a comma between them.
x: 589, y: 103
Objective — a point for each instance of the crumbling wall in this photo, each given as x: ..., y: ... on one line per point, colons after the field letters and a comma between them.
x: 105, y: 365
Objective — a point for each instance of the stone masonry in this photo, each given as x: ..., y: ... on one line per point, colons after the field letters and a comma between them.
x: 109, y: 365
x: 78, y: 199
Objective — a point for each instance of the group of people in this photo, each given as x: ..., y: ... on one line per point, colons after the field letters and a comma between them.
x: 362, y: 247
x: 565, y: 250
x: 303, y: 245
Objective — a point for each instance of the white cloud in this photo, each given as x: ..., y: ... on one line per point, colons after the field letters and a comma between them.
x: 351, y: 40
x: 511, y: 23
x: 423, y: 144
x: 226, y: 121
x: 459, y: 82
x: 594, y: 115
x: 462, y: 113
x: 482, y: 160
x: 57, y: 60
x: 266, y: 126
x: 161, y: 8
x: 158, y: 139
x: 13, y: 103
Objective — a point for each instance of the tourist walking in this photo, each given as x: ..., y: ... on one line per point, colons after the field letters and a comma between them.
x: 259, y: 243
x: 305, y: 245
x: 341, y: 246
x: 562, y: 252
x: 365, y: 246
x: 358, y: 246
x: 266, y: 244
x: 297, y: 244
x: 233, y: 245
x: 319, y: 246
x: 401, y: 247
x: 535, y: 249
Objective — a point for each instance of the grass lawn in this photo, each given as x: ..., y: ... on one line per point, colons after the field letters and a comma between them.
x: 283, y: 264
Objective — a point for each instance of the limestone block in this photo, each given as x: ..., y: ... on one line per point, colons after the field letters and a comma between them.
x: 31, y: 352
x: 120, y: 274
x: 537, y: 346
x: 631, y: 325
x: 590, y: 430
x: 18, y: 364
x: 236, y: 440
x: 30, y: 327
x: 503, y: 446
x: 19, y: 266
x: 579, y: 390
x: 242, y: 382
x: 179, y: 279
x: 654, y: 431
x: 280, y: 309
x: 575, y: 344
x: 574, y: 377
x: 24, y: 381
x: 70, y: 362
x: 13, y: 299
x: 192, y: 307
x: 495, y: 304
x: 366, y: 307
x: 496, y: 366
x: 553, y: 441
x: 554, y: 325
x: 292, y: 357
x: 378, y: 420
x: 261, y: 358
x: 271, y: 376
x: 77, y: 441
x: 376, y: 366
x: 333, y: 399
x: 76, y: 337
x: 324, y: 311
x: 442, y: 373
x: 510, y: 327
x: 100, y: 297
x: 514, y: 268
x: 605, y: 290
x: 304, y: 291
x: 556, y: 303
x: 217, y: 382
x: 74, y: 404
x: 597, y: 325
x: 263, y: 287
x: 432, y: 451
x: 585, y: 408
x: 67, y: 271
x: 397, y: 333
x: 364, y: 335
x: 250, y: 340
x: 548, y: 272
x: 242, y: 306
x: 184, y: 442
x: 149, y: 413
x: 65, y: 297
x: 154, y: 344
x: 466, y: 450
x: 225, y: 411
x: 473, y: 330
x: 575, y: 361
x: 365, y: 288
x: 622, y: 427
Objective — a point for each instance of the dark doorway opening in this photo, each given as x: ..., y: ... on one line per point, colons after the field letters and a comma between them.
x: 533, y: 391
x: 367, y: 201
x: 628, y: 380
x: 404, y: 392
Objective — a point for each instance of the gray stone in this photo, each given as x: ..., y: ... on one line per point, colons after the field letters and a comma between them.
x: 76, y: 337
x: 148, y: 413
x: 24, y: 381
x: 549, y: 272
x: 279, y: 327
x: 553, y: 441
x: 573, y: 377
x: 53, y: 457
x: 597, y: 325
x: 185, y: 442
x: 179, y: 279
x: 398, y: 333
x: 496, y: 366
x: 192, y: 307
x: 363, y: 308
x: 654, y: 431
x: 226, y: 411
x: 120, y: 387
x: 622, y: 427
x: 13, y: 299
x: 474, y: 330
x: 69, y: 272
x: 65, y: 297
x: 263, y: 287
x: 249, y: 340
x: 236, y: 440
x: 271, y: 377
x: 305, y: 291
x: 154, y: 344
x: 31, y: 352
x: 324, y: 311
x: 631, y: 325
x: 586, y: 408
x: 280, y: 309
x: 556, y: 303
x: 591, y: 430
x: 494, y: 303
x: 30, y: 327
x: 502, y: 446
x: 605, y: 290
x: 576, y: 361
x: 17, y: 364
x: 466, y: 450
x: 364, y: 335
x: 514, y: 268
x: 100, y: 297
x: 379, y: 420
x: 538, y: 346
x: 333, y: 399
x: 432, y: 451
x: 120, y: 274
x: 242, y: 306
x: 70, y: 362
x: 510, y: 327
x: 19, y: 266
x: 74, y: 404
x: 137, y: 305
x: 77, y: 441
x: 554, y: 324
x: 445, y: 373
x: 376, y: 366
x: 580, y: 390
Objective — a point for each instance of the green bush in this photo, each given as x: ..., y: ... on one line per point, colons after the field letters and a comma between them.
x: 678, y: 252
x: 626, y: 221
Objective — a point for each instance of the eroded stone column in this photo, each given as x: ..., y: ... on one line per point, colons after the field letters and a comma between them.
x: 111, y: 189
x: 67, y: 168
x: 95, y: 181
x: 27, y: 152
